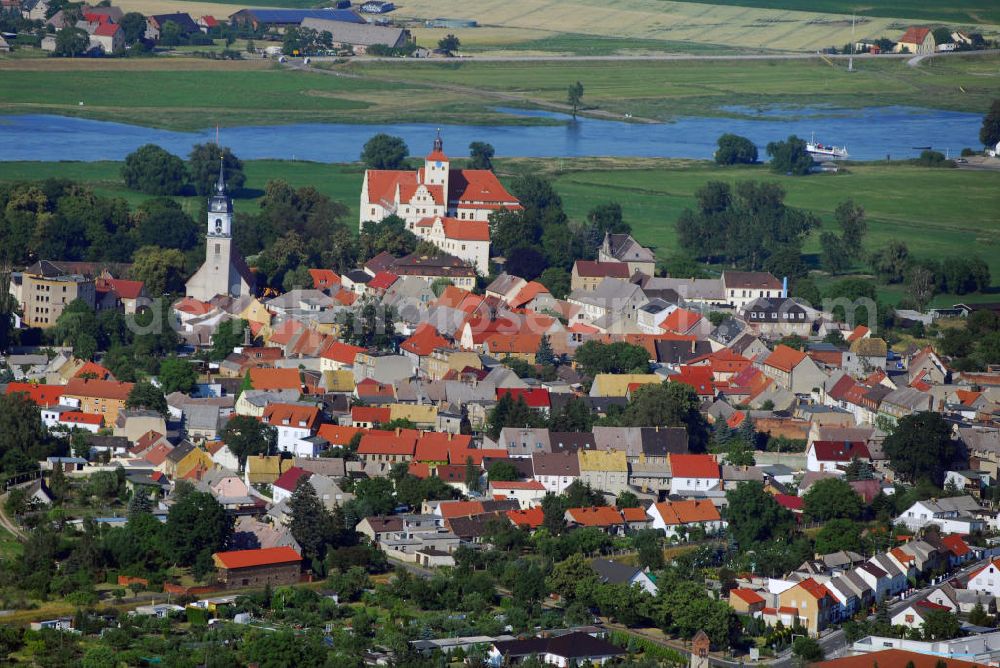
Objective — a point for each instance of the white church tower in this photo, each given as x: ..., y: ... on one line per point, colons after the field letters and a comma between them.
x: 437, y: 167
x: 224, y: 271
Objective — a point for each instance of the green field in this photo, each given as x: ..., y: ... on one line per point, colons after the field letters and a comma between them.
x: 956, y: 11
x: 187, y: 94
x: 937, y: 212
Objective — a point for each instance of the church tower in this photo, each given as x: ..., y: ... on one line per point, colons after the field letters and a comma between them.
x: 436, y: 166
x: 224, y: 271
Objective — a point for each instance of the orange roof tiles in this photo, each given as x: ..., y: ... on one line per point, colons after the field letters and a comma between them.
x: 40, y: 395
x: 370, y: 414
x: 285, y: 332
x: 424, y: 340
x: 452, y: 296
x: 513, y: 343
x: 478, y: 189
x: 814, y: 589
x: 344, y: 353
x: 748, y: 596
x: 687, y: 512
x: 262, y: 378
x: 451, y: 509
x: 857, y: 333
x: 461, y: 455
x: 694, y: 466
x: 526, y: 485
x: 894, y: 658
x: 78, y: 417
x: 324, y: 278
x: 430, y: 450
x: 192, y: 306
x: 531, y: 518
x: 785, y: 358
x: 595, y: 516
x: 291, y: 415
x: 681, y: 321
x: 466, y: 230
x: 94, y: 369
x: 337, y: 435
x: 102, y: 389
x: 697, y: 377
x: 527, y: 293
x: 267, y: 556
x: 956, y: 545
x: 915, y: 35
x: 633, y: 514
x: 377, y: 442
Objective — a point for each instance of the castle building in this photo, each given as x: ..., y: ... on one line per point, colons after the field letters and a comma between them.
x: 448, y: 207
x: 224, y: 272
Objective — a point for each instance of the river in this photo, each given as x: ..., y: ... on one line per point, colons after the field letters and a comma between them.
x: 868, y: 133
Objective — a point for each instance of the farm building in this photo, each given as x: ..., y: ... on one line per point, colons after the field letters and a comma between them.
x: 450, y: 23
x: 916, y: 40
x: 359, y: 36
x: 280, y: 19
x: 270, y: 566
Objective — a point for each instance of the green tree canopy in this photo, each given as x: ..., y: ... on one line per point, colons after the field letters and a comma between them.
x: 839, y: 534
x: 754, y: 516
x: 177, y: 375
x: 790, y: 156
x: 384, y: 151
x: 668, y: 405
x: 574, y: 96
x: 481, y: 155
x: 196, y: 524
x: 162, y: 222
x: 832, y: 498
x: 71, y: 42
x: 735, y: 150
x: 146, y: 395
x: 154, y: 171
x: 921, y: 447
x: 989, y: 133
x: 246, y: 435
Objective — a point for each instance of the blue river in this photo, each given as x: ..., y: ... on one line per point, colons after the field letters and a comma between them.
x: 868, y: 133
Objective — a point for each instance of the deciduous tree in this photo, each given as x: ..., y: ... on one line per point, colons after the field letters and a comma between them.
x: 384, y: 151
x: 153, y: 170
x: 921, y: 447
x: 735, y: 150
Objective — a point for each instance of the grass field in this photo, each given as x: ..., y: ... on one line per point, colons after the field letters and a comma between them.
x: 937, y: 212
x: 661, y: 89
x: 193, y: 93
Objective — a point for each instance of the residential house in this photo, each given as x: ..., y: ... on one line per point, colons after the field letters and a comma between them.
x: 916, y: 40
x: 792, y: 370
x: 605, y: 471
x: 296, y: 425
x: 677, y: 518
x: 835, y: 455
x: 46, y: 289
x: 528, y: 493
x: 865, y: 355
x: 468, y: 240
x: 555, y: 471
x: 611, y: 306
x: 914, y: 615
x: 957, y: 514
x: 743, y: 287
x: 986, y: 580
x: 775, y: 317
x: 613, y: 572
x: 606, y: 518
x: 694, y: 474
x: 814, y: 606
x: 746, y: 601
x: 588, y: 274
x: 265, y: 567
x: 104, y: 397
x: 623, y: 248
x: 571, y: 649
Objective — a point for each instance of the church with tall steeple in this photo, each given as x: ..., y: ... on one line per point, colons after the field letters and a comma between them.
x: 224, y: 272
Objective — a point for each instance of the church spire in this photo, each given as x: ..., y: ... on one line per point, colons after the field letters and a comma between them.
x: 438, y: 144
x: 220, y: 185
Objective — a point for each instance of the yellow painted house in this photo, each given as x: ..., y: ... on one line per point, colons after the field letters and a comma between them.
x: 194, y: 459
x: 339, y: 381
x: 264, y: 470
x: 606, y: 470
x: 442, y: 360
x: 256, y: 312
x: 616, y: 385
x: 810, y: 603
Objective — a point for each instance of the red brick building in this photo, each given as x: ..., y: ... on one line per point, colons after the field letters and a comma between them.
x: 272, y: 566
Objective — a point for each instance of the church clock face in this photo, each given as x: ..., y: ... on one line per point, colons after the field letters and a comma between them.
x: 438, y: 164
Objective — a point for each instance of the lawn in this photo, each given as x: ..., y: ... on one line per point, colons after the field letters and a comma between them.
x: 937, y: 212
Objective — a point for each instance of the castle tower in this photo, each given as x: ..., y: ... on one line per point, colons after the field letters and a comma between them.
x: 436, y: 166
x: 224, y: 271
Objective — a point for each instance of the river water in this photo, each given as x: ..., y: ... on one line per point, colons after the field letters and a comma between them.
x: 869, y: 133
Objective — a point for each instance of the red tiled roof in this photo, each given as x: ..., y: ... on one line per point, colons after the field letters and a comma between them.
x: 452, y: 296
x: 192, y: 306
x: 459, y: 454
x: 956, y: 545
x: 857, y: 333
x: 291, y: 415
x: 40, y: 395
x: 424, y: 340
x: 102, y: 389
x: 511, y: 344
x: 894, y: 658
x: 681, y: 321
x: 383, y: 280
x: 124, y: 289
x: 528, y: 485
x: 840, y: 451
x: 527, y: 293
x: 78, y: 417
x: 479, y: 189
x: 337, y: 435
x: 814, y: 589
x: 594, y: 269
x: 451, y: 509
x: 285, y: 332
x: 370, y: 414
x: 342, y: 352
x: 466, y: 230
x: 630, y: 514
x: 698, y: 377
x: 267, y: 556
x: 785, y: 358
x: 748, y: 596
x: 157, y: 454
x: 431, y: 450
x: 915, y: 35
x: 377, y: 442
x: 794, y: 503
x: 262, y: 378
x: 531, y: 518
x: 687, y: 512
x: 324, y: 278
x: 694, y: 466
x: 289, y: 480
x: 419, y: 469
x: 94, y: 369
x: 736, y: 419
x: 537, y: 397
x: 595, y: 516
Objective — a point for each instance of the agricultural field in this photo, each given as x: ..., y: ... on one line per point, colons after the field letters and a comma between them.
x: 917, y: 204
x: 781, y: 28
x: 962, y: 11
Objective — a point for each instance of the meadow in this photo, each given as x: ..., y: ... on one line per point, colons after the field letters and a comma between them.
x: 192, y: 93
x: 937, y: 212
x: 961, y: 11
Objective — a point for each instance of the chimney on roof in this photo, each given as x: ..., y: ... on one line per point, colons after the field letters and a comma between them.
x: 398, y: 431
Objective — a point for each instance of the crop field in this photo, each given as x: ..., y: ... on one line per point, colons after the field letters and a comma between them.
x: 960, y: 11
x: 724, y: 24
x: 937, y: 212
